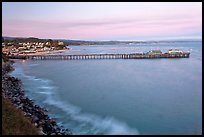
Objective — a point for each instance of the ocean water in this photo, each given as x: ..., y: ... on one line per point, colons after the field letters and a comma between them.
x: 119, y: 96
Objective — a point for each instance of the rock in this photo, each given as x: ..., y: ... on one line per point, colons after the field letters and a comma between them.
x: 41, y: 132
x: 20, y: 106
x: 52, y: 121
x: 12, y: 90
x: 36, y: 124
x: 41, y: 122
x: 35, y: 119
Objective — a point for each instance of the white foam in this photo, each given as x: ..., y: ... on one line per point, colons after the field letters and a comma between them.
x: 108, y: 125
x: 17, y: 71
x: 46, y: 87
x: 43, y: 81
x: 98, y: 125
x: 33, y: 65
x: 46, y: 93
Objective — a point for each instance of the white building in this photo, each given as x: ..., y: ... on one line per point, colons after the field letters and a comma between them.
x: 60, y: 43
x: 174, y: 51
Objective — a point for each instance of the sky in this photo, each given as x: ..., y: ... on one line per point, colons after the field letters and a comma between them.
x: 103, y: 20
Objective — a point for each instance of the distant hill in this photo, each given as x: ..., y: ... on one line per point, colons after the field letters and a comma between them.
x: 20, y: 39
x: 9, y: 38
x: 84, y: 42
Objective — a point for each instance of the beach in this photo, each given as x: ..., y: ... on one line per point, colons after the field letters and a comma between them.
x: 47, y: 52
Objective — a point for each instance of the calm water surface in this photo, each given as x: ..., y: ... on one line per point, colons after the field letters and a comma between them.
x: 120, y: 96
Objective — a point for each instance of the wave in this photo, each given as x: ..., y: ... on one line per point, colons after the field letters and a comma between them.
x: 97, y: 124
x: 46, y: 93
x: 33, y: 65
x: 109, y: 125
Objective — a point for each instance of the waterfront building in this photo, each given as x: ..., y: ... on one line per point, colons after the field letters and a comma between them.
x: 154, y: 52
x: 174, y: 51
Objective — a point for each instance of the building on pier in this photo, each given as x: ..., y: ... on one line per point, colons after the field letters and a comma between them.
x: 154, y: 52
x: 175, y: 51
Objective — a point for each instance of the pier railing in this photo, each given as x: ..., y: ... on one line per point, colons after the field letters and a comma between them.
x: 101, y: 56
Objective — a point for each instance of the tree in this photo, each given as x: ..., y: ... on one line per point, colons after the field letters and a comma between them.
x: 55, y: 43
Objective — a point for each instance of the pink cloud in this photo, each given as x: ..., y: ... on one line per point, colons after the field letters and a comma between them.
x: 84, y: 29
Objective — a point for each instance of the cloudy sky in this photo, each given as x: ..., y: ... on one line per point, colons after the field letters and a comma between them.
x: 103, y: 21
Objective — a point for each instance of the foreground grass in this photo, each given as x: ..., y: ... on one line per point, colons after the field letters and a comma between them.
x: 14, y: 122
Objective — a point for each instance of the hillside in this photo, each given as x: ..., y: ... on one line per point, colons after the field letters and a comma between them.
x: 13, y: 120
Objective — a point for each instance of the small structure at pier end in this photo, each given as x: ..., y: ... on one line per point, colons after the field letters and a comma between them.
x: 175, y: 51
x: 154, y: 52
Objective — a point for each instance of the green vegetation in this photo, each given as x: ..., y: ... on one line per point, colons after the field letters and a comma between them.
x: 23, y: 40
x: 14, y: 122
x: 31, y: 40
x: 4, y: 58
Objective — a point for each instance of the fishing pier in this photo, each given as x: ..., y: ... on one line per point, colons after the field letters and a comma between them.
x: 102, y: 56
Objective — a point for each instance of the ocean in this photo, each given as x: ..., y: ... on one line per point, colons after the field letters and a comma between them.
x: 119, y: 96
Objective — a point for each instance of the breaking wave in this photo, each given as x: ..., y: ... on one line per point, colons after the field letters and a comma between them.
x: 95, y: 123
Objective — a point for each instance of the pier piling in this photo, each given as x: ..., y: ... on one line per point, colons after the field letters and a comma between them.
x: 100, y: 56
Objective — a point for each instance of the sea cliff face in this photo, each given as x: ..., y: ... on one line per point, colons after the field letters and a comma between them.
x: 12, y: 90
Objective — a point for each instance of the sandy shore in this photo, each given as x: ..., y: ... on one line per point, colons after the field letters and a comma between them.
x: 47, y: 52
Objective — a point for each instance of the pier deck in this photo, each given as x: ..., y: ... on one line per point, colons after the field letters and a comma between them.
x: 101, y: 56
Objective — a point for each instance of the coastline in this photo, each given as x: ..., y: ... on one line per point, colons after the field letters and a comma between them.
x: 13, y: 91
x: 48, y: 52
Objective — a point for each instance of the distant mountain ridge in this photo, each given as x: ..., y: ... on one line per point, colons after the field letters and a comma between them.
x: 88, y: 42
x: 22, y: 39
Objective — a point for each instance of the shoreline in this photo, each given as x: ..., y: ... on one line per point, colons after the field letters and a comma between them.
x: 47, y: 52
x: 13, y: 91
